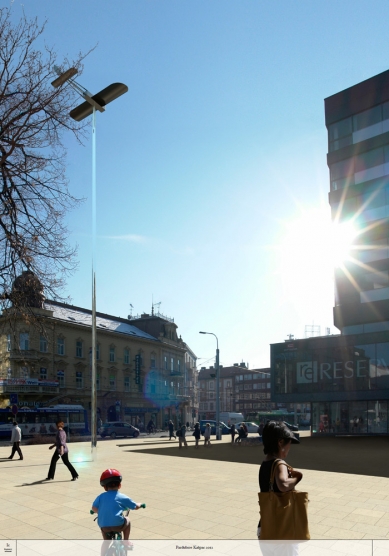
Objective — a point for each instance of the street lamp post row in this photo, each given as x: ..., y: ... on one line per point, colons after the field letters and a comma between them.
x: 218, y: 436
x: 85, y: 109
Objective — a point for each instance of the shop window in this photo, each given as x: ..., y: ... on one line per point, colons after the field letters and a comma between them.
x: 61, y: 379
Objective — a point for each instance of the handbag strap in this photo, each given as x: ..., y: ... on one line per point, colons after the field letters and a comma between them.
x: 276, y: 463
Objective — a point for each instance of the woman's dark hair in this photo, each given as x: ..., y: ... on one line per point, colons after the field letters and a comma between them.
x: 272, y: 432
x: 60, y: 423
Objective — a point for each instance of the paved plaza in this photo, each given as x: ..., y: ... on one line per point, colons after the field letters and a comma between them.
x: 186, y: 497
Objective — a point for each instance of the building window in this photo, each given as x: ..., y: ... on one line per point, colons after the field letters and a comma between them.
x: 178, y: 366
x: 210, y: 406
x: 43, y: 344
x: 211, y: 385
x: 61, y: 379
x: 228, y: 385
x: 112, y: 382
x: 24, y: 342
x: 171, y: 364
x: 126, y: 356
x: 126, y: 383
x: 111, y: 354
x: 8, y: 342
x: 43, y: 373
x: 61, y: 346
x: 79, y: 380
x: 78, y: 348
x: 211, y: 395
x: 165, y: 362
x: 152, y: 362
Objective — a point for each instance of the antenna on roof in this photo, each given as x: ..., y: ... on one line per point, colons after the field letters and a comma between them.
x: 131, y: 308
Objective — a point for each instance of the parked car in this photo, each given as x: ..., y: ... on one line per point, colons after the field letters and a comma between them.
x: 291, y: 427
x: 251, y: 427
x: 224, y: 428
x: 118, y: 428
x: 305, y: 423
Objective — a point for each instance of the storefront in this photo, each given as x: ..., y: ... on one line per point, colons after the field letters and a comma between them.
x: 345, y: 379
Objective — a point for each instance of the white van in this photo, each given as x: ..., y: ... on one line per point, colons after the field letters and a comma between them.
x: 230, y: 418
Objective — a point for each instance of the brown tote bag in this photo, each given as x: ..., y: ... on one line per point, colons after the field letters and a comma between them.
x: 284, y: 516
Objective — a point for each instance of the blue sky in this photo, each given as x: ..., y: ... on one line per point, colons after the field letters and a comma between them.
x: 211, y: 171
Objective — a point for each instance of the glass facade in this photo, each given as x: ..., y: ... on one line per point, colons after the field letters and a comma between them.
x: 354, y: 417
x: 344, y: 379
x: 362, y: 126
x: 333, y: 368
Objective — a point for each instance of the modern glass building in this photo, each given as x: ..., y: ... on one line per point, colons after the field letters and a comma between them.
x: 345, y: 378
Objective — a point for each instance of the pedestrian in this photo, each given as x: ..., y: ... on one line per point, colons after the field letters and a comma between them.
x: 233, y: 432
x: 187, y: 425
x: 277, y: 440
x: 207, y: 435
x: 61, y: 450
x: 99, y: 423
x: 171, y: 430
x: 181, y: 438
x: 197, y: 434
x: 260, y: 429
x: 16, y: 437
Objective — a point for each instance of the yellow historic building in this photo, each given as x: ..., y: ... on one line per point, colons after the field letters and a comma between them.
x: 142, y: 365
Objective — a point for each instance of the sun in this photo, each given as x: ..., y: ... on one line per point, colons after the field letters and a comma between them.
x: 310, y: 247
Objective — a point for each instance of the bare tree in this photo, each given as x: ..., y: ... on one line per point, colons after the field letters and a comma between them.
x: 34, y: 194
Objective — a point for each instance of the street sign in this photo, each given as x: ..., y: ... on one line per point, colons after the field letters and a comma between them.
x: 14, y: 409
x: 13, y: 399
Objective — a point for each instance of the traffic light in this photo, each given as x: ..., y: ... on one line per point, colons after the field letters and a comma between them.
x: 138, y: 362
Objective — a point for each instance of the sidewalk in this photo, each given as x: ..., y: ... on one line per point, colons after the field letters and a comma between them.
x: 186, y: 497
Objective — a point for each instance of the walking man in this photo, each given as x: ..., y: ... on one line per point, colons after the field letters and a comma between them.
x: 181, y: 438
x: 171, y: 430
x: 16, y: 437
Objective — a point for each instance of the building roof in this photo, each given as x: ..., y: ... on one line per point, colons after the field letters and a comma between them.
x: 108, y: 323
x: 225, y: 372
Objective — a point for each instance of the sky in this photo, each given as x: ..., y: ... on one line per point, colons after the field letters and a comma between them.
x: 212, y: 183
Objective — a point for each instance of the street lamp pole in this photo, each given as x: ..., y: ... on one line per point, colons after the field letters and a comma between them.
x: 82, y: 111
x: 217, y: 386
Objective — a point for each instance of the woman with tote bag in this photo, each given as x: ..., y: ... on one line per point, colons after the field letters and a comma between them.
x: 283, y: 509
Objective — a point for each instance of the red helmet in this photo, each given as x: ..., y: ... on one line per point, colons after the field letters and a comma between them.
x: 110, y: 476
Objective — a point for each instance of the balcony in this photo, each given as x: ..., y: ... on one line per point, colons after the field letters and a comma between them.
x: 24, y: 355
x: 176, y: 373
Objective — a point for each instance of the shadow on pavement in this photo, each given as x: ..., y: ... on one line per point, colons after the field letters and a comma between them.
x: 41, y: 482
x: 356, y: 455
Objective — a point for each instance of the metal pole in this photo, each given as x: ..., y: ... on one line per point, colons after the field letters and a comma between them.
x: 93, y: 378
x: 217, y: 393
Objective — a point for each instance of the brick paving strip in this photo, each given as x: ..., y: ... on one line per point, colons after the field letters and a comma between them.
x: 190, y: 494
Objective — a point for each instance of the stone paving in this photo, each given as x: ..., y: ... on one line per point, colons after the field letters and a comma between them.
x: 187, y: 498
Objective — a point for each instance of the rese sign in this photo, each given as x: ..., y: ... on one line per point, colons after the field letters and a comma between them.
x: 310, y: 371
